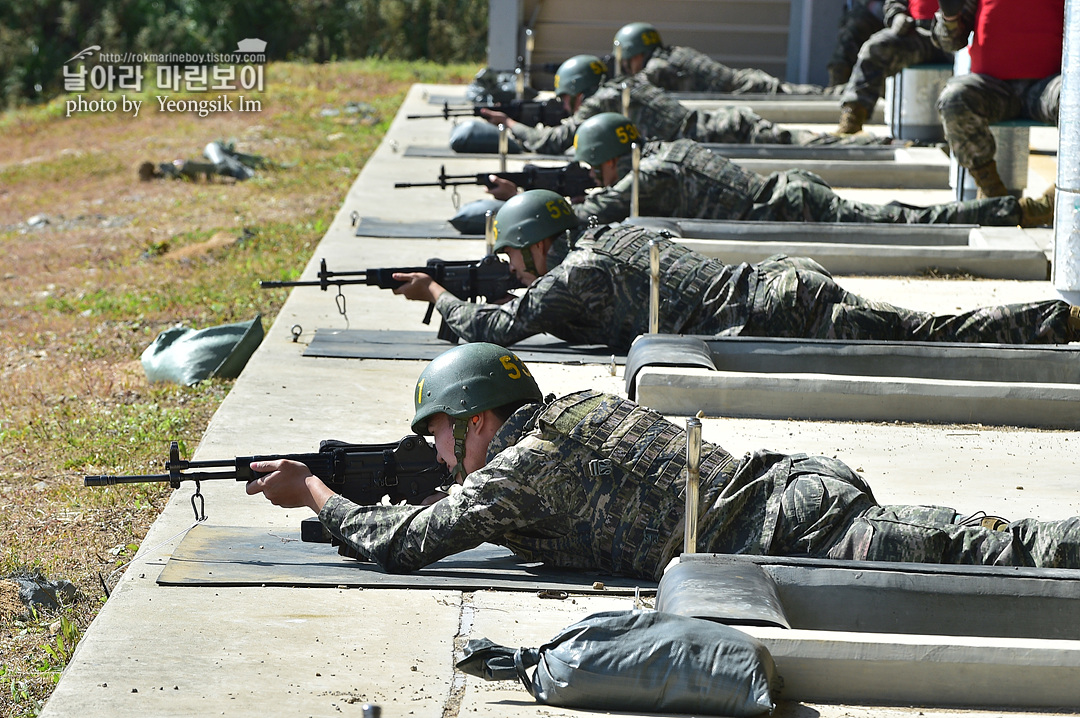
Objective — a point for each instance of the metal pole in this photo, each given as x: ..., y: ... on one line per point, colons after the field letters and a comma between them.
x: 1066, y: 266
x: 654, y: 287
x: 489, y: 231
x: 635, y: 158
x: 504, y: 146
x: 693, y: 480
x: 617, y: 70
x: 626, y: 99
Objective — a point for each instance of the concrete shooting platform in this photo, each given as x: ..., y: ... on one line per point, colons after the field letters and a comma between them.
x: 254, y: 650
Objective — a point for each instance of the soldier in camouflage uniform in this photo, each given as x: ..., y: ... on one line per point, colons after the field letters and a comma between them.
x: 580, y: 83
x: 860, y: 20
x: 1011, y: 76
x: 594, y: 482
x: 905, y: 41
x: 684, y: 69
x: 597, y: 293
x: 684, y: 179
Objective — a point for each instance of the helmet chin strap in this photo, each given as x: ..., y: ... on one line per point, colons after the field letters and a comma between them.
x: 527, y: 260
x: 461, y: 428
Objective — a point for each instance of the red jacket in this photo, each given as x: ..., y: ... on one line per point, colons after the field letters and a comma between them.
x: 1018, y: 39
x: 922, y: 9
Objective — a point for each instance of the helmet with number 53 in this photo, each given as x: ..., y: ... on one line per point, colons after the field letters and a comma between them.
x: 603, y: 137
x: 468, y: 379
x: 531, y: 217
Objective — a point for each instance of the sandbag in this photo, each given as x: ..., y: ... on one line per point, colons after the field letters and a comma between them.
x: 480, y: 136
x: 470, y: 219
x: 639, y: 661
x: 188, y: 356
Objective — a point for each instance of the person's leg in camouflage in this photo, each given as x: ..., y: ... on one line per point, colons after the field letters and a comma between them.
x: 928, y: 534
x: 857, y: 24
x: 968, y: 105
x: 795, y: 200
x: 749, y: 80
x: 797, y: 298
x: 741, y: 125
x: 885, y: 54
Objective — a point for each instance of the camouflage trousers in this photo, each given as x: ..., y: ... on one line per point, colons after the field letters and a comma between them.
x: 885, y: 54
x: 857, y: 24
x: 827, y: 511
x: 740, y: 125
x: 798, y: 196
x: 796, y: 297
x: 969, y: 104
x: 751, y: 81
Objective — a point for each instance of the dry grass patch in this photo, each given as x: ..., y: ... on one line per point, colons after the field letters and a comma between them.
x: 107, y: 263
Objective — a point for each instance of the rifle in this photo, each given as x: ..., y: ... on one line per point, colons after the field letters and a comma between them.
x: 467, y: 279
x: 570, y: 180
x: 529, y: 112
x: 406, y: 470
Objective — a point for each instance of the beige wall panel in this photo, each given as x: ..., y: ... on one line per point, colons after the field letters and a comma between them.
x: 738, y: 33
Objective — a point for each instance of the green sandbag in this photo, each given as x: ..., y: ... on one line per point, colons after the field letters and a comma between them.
x: 188, y: 356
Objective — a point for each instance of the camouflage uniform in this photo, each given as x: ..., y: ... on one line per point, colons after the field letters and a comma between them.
x: 859, y: 21
x: 592, y: 481
x: 659, y: 116
x: 595, y: 296
x: 970, y: 103
x: 684, y: 179
x: 886, y: 53
x: 684, y: 69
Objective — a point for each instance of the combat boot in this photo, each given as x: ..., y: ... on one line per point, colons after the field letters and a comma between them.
x: 1074, y: 323
x: 1038, y: 211
x: 839, y: 74
x: 852, y: 117
x: 988, y: 181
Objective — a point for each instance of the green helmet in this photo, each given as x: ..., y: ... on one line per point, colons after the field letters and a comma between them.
x: 532, y: 216
x: 468, y: 379
x: 604, y: 136
x: 581, y: 74
x: 637, y: 38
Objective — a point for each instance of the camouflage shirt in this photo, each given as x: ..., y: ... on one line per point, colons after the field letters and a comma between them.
x: 677, y: 179
x: 590, y: 481
x: 595, y: 295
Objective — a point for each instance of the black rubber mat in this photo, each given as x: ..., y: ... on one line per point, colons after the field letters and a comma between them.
x: 424, y: 345
x: 394, y: 229
x: 247, y: 556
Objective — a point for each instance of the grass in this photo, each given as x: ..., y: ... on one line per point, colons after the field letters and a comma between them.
x: 116, y: 262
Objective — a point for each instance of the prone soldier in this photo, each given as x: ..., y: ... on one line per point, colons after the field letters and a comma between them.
x: 684, y: 179
x: 580, y: 82
x: 595, y: 293
x: 596, y: 482
x: 1015, y: 73
x: 684, y: 69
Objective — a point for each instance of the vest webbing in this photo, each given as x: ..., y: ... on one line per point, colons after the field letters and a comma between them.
x: 643, y: 491
x: 684, y: 274
x: 715, y: 187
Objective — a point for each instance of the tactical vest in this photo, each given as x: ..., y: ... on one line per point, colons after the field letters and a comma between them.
x: 713, y: 187
x: 636, y: 478
x: 1018, y: 39
x: 684, y: 274
x: 656, y: 114
x: 697, y: 71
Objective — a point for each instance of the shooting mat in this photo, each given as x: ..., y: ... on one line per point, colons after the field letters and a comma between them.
x: 444, y: 152
x: 250, y: 556
x: 424, y: 345
x: 393, y: 229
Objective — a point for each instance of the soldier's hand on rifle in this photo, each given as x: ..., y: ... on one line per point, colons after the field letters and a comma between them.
x: 902, y: 24
x: 496, y: 117
x: 501, y: 188
x: 289, y: 484
x: 418, y: 286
